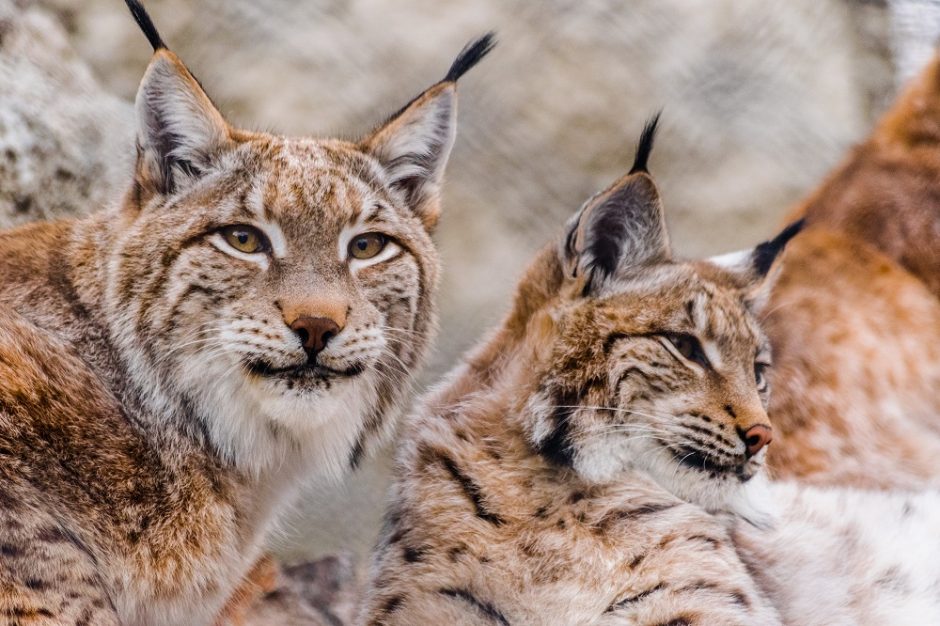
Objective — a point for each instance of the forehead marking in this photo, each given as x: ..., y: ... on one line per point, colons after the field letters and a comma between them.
x: 712, y: 352
x: 701, y: 315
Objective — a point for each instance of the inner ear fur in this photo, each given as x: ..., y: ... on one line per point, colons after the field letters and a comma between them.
x: 621, y: 228
x: 414, y: 146
x: 415, y: 143
x: 180, y: 132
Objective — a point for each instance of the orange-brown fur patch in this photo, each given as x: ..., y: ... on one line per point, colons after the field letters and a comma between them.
x: 855, y: 317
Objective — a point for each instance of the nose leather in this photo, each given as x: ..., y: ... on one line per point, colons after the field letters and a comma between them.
x: 756, y: 438
x: 314, y: 332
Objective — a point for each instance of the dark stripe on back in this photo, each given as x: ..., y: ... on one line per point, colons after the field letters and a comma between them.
x: 644, y: 510
x: 632, y: 599
x: 556, y: 447
x: 736, y: 595
x: 471, y: 489
x: 392, y: 604
x: 485, y: 608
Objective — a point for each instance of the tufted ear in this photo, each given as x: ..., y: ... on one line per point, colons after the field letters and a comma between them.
x: 753, y: 266
x: 621, y: 227
x: 179, y: 131
x: 415, y: 143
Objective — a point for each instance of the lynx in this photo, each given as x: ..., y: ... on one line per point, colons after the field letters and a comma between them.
x: 572, y: 465
x: 600, y: 458
x: 251, y: 313
x: 854, y: 318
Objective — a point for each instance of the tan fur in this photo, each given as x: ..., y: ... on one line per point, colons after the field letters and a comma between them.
x: 855, y: 319
x: 157, y: 411
x: 533, y: 486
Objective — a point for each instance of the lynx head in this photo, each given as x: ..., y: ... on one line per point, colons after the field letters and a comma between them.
x: 280, y: 290
x: 646, y: 361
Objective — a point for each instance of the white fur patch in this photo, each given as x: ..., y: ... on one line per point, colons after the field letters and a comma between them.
x: 739, y: 261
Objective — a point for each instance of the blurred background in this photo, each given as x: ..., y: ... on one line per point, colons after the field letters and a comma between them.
x: 760, y: 98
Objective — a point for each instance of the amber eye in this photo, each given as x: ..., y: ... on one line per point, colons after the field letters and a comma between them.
x: 760, y: 375
x: 689, y: 347
x: 247, y: 239
x: 367, y: 245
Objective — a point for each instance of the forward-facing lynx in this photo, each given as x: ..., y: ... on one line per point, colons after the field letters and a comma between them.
x: 599, y: 460
x: 252, y: 312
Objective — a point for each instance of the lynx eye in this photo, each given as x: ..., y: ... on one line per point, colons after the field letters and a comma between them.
x: 367, y: 245
x: 689, y: 347
x: 760, y: 375
x: 247, y: 239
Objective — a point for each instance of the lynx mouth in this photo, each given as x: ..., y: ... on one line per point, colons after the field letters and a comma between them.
x: 703, y: 462
x: 305, y: 370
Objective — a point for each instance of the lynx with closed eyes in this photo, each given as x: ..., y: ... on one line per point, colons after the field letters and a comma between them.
x: 570, y: 471
x: 599, y: 459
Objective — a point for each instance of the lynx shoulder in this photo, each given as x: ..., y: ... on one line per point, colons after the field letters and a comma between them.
x: 855, y: 317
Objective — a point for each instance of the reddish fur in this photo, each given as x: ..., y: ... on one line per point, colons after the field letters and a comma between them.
x: 855, y: 318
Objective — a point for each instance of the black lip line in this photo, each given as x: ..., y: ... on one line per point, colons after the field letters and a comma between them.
x: 694, y: 459
x: 261, y: 368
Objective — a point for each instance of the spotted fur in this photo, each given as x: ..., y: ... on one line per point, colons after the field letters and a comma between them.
x: 577, y: 469
x: 156, y: 408
x: 586, y: 464
x: 855, y: 317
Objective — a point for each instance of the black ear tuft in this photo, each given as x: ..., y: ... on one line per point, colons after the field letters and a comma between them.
x: 146, y: 24
x: 767, y: 252
x: 645, y: 147
x: 471, y: 54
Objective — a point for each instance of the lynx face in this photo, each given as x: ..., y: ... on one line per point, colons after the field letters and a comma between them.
x: 649, y: 362
x: 280, y: 288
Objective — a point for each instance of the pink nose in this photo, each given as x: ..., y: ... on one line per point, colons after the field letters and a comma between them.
x: 756, y: 437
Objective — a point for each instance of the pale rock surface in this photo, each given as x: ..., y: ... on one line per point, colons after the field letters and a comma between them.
x: 63, y: 138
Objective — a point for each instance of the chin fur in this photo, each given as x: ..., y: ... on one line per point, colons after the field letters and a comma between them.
x: 714, y: 492
x: 261, y: 425
x: 604, y: 461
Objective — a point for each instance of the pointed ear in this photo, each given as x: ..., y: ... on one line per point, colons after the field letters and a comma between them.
x: 754, y: 268
x: 180, y: 133
x: 414, y: 147
x: 415, y: 143
x: 620, y: 228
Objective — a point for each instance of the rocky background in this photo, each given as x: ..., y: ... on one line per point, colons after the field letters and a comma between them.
x: 760, y: 99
